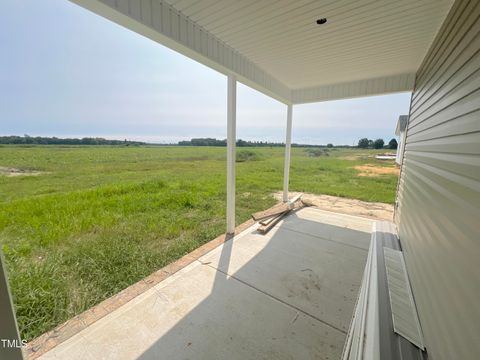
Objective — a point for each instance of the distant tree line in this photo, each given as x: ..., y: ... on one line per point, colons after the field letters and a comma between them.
x: 366, y: 143
x: 203, y: 142
x: 40, y: 140
x: 216, y: 142
x: 244, y: 143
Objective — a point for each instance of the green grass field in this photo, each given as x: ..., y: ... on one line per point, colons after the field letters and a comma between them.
x: 98, y: 219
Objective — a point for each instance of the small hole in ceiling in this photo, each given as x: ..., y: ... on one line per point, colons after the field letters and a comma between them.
x: 321, y: 21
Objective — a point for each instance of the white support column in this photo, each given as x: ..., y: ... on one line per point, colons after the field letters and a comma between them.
x: 231, y: 142
x: 288, y: 143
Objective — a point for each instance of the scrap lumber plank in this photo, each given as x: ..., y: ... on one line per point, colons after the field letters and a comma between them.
x: 270, y: 212
x: 267, y: 221
x: 266, y: 228
x: 276, y: 210
x: 295, y: 198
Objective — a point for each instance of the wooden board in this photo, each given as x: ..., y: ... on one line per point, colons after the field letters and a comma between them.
x: 266, y: 228
x: 269, y: 220
x: 295, y: 199
x: 276, y: 210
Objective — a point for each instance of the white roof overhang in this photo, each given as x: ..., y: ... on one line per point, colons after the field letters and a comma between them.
x: 276, y: 46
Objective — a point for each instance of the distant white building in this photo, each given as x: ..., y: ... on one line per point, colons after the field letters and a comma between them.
x: 400, y: 131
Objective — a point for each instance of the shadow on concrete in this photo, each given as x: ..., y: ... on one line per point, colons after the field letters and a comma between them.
x: 293, y: 299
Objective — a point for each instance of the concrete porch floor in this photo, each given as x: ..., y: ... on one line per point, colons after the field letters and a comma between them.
x: 289, y: 294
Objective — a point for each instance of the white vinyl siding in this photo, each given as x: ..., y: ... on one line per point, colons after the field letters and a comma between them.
x: 439, y: 191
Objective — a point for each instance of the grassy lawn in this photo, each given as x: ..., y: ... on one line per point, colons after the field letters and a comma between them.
x: 98, y: 219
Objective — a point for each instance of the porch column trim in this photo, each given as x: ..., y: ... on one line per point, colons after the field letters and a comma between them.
x: 288, y: 143
x: 231, y: 143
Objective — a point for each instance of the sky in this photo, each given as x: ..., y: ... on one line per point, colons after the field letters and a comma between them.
x: 67, y: 72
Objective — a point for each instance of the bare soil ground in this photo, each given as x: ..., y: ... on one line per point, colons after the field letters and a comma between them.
x: 372, y: 170
x: 371, y: 210
x: 10, y: 172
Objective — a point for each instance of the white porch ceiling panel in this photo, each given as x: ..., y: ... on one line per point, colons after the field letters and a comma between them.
x: 365, y: 48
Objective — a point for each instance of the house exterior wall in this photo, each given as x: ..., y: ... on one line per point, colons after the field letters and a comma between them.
x: 438, y: 214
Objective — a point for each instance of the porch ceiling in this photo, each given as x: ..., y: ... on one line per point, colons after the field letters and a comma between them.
x: 366, y: 47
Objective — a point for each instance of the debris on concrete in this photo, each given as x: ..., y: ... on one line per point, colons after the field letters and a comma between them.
x: 296, y: 317
x: 273, y: 211
x: 266, y: 228
x: 269, y: 218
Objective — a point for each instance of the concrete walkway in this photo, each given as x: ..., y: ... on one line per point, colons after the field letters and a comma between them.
x: 289, y: 294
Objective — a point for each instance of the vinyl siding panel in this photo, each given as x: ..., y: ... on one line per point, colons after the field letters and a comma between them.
x: 438, y: 214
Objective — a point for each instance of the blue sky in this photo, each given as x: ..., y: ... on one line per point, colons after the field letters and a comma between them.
x: 67, y: 72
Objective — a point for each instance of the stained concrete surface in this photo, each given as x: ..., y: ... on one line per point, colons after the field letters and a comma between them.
x: 285, y: 295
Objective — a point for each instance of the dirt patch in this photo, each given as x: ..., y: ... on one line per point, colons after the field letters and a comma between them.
x: 350, y: 157
x: 10, y: 172
x: 371, y: 210
x: 361, y: 156
x: 372, y: 170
